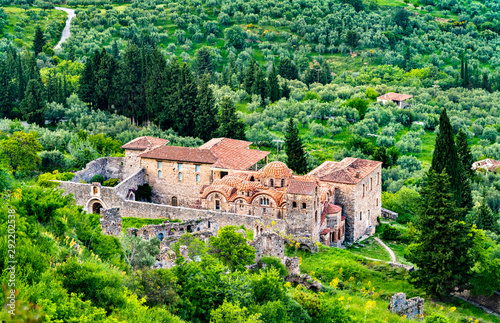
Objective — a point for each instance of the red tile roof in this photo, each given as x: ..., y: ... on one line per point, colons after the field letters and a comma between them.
x: 233, y: 154
x: 301, y: 187
x: 333, y: 209
x: 395, y: 96
x: 325, y: 231
x: 185, y: 154
x: 143, y: 143
x: 348, y: 171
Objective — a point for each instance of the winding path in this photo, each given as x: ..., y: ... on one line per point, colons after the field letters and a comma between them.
x: 389, y: 250
x: 66, y: 32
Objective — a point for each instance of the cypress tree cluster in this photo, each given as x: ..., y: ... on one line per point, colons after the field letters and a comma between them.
x: 294, y: 149
x: 446, y: 158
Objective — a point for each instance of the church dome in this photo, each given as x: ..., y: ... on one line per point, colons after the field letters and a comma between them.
x: 276, y: 169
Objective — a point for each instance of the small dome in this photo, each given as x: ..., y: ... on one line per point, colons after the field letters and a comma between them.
x: 276, y: 169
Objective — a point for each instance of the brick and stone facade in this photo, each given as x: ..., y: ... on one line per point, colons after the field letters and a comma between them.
x: 336, y: 202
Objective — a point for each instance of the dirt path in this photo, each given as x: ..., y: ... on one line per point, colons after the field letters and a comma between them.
x: 389, y: 250
x: 66, y: 32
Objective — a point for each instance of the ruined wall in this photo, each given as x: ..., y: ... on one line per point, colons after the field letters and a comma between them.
x: 268, y: 244
x: 187, y: 190
x: 131, y: 182
x: 109, y: 167
x: 387, y: 214
x: 411, y: 308
x: 111, y: 222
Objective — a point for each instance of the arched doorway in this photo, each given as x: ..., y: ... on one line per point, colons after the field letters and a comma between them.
x: 96, y: 208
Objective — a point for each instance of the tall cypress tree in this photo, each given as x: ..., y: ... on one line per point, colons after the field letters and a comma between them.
x: 285, y: 90
x: 273, y: 86
x: 445, y: 158
x: 259, y: 86
x: 203, y: 62
x: 88, y: 79
x: 155, y: 86
x: 441, y: 251
x: 105, y: 80
x: 249, y: 76
x: 39, y: 41
x: 33, y: 104
x: 295, y: 149
x: 464, y: 153
x: 184, y: 106
x: 205, y: 118
x: 229, y: 124
x: 6, y: 99
x: 287, y: 69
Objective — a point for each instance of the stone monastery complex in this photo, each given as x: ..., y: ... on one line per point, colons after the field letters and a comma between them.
x: 221, y: 181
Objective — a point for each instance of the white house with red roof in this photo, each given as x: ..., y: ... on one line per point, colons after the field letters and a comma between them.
x: 397, y: 98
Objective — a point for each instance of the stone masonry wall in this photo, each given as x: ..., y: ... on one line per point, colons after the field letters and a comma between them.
x: 108, y: 199
x: 186, y: 190
x: 111, y: 221
x: 131, y: 182
x: 109, y: 167
x: 269, y: 244
x: 353, y: 202
x: 411, y: 308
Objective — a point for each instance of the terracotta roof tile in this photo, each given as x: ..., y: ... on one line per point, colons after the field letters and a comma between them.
x: 333, y: 208
x: 142, y: 143
x: 347, y: 171
x: 225, y: 190
x: 233, y: 154
x: 185, y: 154
x: 395, y: 96
x: 275, y: 169
x: 275, y: 194
x: 325, y: 231
x: 301, y: 187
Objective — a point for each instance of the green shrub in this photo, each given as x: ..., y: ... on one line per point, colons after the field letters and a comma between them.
x: 273, y: 262
x: 436, y: 318
x: 388, y: 232
x: 111, y: 182
x: 97, y: 178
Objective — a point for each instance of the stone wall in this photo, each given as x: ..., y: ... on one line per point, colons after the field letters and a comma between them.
x: 109, y: 167
x: 111, y: 222
x: 169, y: 229
x: 303, y: 222
x: 411, y: 308
x: 361, y: 204
x: 386, y: 214
x: 130, y: 183
x: 491, y: 302
x: 268, y: 244
x: 187, y: 190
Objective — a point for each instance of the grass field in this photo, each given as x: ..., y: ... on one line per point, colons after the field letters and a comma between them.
x: 22, y: 26
x: 332, y: 263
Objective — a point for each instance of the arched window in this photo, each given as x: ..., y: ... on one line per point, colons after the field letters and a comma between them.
x: 282, y: 182
x: 271, y: 182
x: 160, y: 236
x: 294, y: 204
x: 252, y: 179
x: 180, y: 176
x: 174, y: 201
x: 279, y: 214
x: 376, y: 202
x: 304, y: 205
x: 363, y: 190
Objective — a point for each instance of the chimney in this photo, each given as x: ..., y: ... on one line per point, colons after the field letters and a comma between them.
x: 357, y: 174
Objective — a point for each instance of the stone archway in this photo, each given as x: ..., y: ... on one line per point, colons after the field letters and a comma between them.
x: 95, y: 206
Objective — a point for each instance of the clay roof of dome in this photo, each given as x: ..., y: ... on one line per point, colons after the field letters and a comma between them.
x: 275, y: 169
x: 323, y: 193
x: 276, y: 195
x: 225, y: 190
x: 238, y: 183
